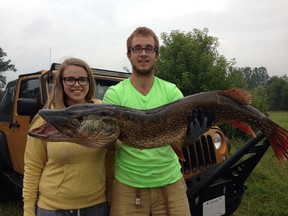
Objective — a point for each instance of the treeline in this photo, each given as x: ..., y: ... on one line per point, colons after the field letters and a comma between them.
x: 192, y: 61
x: 5, y: 65
x: 270, y: 93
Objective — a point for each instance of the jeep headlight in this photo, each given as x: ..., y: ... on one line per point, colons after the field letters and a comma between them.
x: 217, y: 140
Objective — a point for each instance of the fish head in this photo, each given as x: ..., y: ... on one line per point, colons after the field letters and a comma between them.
x: 90, y: 126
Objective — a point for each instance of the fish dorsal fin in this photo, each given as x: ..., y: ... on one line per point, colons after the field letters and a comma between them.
x: 240, y: 95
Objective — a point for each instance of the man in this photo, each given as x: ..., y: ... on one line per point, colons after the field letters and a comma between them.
x: 148, y: 181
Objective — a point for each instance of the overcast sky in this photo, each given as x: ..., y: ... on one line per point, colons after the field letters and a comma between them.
x: 35, y: 33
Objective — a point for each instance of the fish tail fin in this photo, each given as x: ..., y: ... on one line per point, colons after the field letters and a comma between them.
x: 279, y: 141
x: 240, y: 95
x: 244, y: 127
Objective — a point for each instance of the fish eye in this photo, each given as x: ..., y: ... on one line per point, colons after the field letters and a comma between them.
x: 80, y: 118
x: 103, y: 114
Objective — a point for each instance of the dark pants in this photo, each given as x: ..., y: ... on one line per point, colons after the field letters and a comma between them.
x: 96, y: 210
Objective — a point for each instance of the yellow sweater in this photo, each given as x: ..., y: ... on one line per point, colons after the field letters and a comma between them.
x: 62, y: 175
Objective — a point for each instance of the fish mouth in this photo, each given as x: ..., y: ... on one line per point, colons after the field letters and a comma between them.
x: 77, y: 126
x: 58, y: 126
x: 48, y: 132
x: 61, y: 122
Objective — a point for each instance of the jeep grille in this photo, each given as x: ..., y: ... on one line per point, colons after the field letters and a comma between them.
x: 199, y: 155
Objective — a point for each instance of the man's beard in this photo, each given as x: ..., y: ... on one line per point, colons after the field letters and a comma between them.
x: 143, y: 71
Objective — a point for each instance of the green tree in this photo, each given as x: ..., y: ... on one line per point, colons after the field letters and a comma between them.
x: 255, y: 77
x: 192, y: 62
x: 235, y: 76
x: 260, y: 98
x: 284, y: 96
x: 277, y: 88
x: 4, y: 66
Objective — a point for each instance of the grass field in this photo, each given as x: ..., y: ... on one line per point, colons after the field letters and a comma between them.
x: 267, y: 192
x: 267, y: 185
x: 12, y: 208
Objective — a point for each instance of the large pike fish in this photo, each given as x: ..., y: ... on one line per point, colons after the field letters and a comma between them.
x: 97, y: 125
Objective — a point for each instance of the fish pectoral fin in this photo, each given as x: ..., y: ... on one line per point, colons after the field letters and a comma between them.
x: 114, y: 145
x: 178, y: 150
x: 244, y: 127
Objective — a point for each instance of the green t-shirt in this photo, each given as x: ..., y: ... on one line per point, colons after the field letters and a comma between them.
x: 146, y: 168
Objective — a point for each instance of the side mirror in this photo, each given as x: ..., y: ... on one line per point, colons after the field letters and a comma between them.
x: 27, y: 106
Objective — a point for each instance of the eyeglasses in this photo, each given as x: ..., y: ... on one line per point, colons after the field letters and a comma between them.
x: 139, y: 49
x: 70, y: 81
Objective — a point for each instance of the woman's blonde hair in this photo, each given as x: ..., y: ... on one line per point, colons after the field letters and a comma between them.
x: 58, y: 97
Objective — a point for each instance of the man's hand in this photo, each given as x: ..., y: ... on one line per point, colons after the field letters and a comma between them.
x: 198, y: 122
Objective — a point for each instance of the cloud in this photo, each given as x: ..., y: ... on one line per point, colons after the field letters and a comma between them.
x: 36, y: 33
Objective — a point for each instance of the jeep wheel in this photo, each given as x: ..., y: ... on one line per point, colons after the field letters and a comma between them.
x: 6, y: 188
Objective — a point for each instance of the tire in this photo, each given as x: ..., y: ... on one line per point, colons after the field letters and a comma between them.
x: 6, y: 188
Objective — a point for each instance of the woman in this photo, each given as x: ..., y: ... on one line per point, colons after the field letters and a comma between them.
x: 64, y: 178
